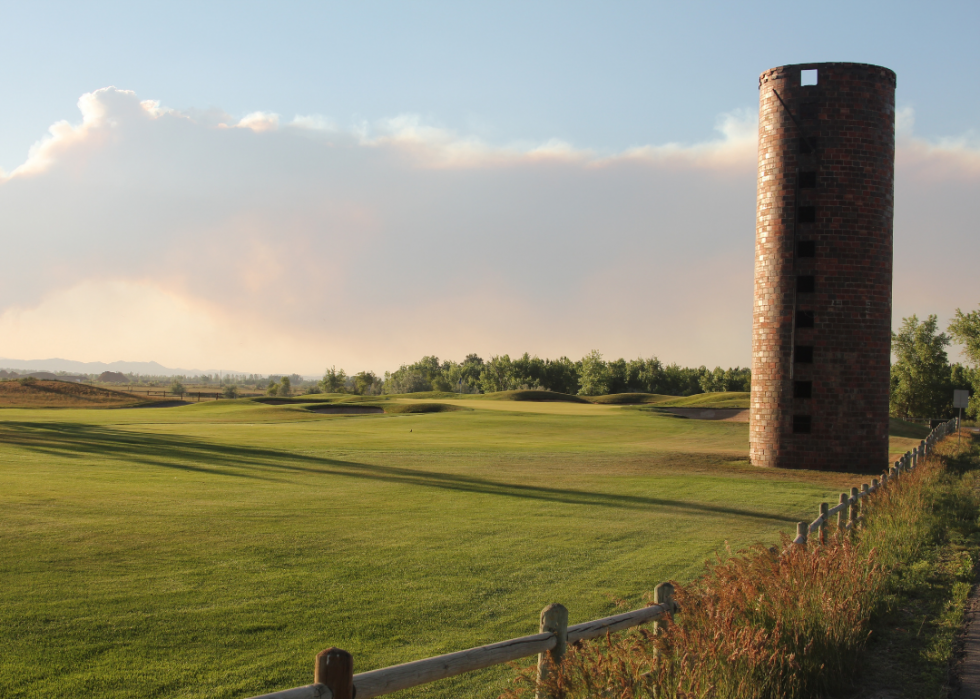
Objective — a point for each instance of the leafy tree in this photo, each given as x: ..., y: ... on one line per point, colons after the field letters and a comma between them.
x: 333, y: 381
x: 497, y: 375
x: 273, y: 389
x: 560, y: 375
x: 405, y: 380
x: 470, y: 369
x: 965, y: 330
x: 366, y: 383
x: 920, y: 376
x: 594, y: 375
x: 618, y: 376
x: 285, y: 386
x: 230, y: 391
x: 177, y: 388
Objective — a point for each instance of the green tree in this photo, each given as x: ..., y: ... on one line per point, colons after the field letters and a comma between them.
x: 496, y: 375
x: 177, y: 388
x: 366, y: 383
x: 920, y: 376
x: 560, y: 375
x: 965, y: 330
x: 594, y: 376
x: 273, y: 389
x: 333, y: 381
x: 285, y: 386
x: 230, y: 391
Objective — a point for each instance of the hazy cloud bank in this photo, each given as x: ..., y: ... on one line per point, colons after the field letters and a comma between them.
x: 192, y: 239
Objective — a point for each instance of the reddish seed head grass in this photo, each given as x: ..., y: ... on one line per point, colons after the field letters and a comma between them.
x: 763, y: 623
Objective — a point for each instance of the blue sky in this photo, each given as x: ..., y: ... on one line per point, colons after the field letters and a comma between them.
x: 616, y: 119
x: 597, y: 75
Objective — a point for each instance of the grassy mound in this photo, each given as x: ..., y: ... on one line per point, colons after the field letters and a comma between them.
x: 422, y: 408
x: 536, y: 397
x: 731, y: 399
x: 631, y: 398
x: 61, y: 394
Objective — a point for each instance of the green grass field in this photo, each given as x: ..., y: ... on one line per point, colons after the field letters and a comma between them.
x: 211, y: 550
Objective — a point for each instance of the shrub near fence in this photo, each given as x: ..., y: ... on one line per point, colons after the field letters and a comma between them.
x: 333, y: 676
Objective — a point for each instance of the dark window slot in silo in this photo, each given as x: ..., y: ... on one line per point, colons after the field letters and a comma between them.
x: 802, y: 389
x: 805, y: 284
x: 806, y: 248
x: 808, y: 145
x: 802, y: 424
x: 808, y: 180
x: 803, y: 354
x: 804, y: 319
x: 807, y: 214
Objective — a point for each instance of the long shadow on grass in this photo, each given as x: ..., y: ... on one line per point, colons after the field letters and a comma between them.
x: 74, y: 440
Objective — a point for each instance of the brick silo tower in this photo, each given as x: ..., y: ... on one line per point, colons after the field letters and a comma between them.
x: 821, y: 324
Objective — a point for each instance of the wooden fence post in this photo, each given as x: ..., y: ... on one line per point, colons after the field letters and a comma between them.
x: 663, y: 594
x: 842, y: 515
x: 823, y: 522
x: 335, y: 669
x: 802, y: 532
x: 855, y: 508
x: 554, y: 619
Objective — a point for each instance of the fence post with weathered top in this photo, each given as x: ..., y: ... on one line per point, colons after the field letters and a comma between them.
x: 842, y: 514
x: 335, y: 670
x: 802, y: 531
x: 855, y: 508
x: 663, y: 594
x: 554, y: 619
x: 823, y: 522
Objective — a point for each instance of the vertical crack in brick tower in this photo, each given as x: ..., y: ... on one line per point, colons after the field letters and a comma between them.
x: 821, y: 324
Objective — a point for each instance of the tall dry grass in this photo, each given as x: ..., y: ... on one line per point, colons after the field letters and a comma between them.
x: 770, y: 622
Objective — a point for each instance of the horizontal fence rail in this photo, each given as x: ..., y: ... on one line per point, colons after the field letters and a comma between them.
x: 333, y: 672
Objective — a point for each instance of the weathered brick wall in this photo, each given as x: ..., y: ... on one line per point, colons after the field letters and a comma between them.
x: 837, y: 200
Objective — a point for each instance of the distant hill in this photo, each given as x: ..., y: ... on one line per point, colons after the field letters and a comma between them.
x: 56, y: 364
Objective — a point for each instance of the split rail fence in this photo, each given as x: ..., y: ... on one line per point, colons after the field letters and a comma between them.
x: 333, y: 671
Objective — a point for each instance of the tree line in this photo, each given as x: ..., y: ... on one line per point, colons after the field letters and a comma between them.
x: 589, y: 376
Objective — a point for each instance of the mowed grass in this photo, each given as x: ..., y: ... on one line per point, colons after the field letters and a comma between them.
x: 211, y: 550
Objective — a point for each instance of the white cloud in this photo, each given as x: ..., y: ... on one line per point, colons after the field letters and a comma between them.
x: 308, y: 244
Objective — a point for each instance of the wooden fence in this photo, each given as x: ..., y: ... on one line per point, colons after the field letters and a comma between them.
x: 333, y: 670
x: 163, y: 394
x: 848, y: 509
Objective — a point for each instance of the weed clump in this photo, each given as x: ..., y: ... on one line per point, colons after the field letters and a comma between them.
x: 775, y: 622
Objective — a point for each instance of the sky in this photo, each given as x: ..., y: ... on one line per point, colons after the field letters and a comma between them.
x: 284, y: 187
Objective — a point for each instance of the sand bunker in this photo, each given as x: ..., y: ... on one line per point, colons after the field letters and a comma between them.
x: 162, y: 404
x: 726, y: 414
x: 346, y: 409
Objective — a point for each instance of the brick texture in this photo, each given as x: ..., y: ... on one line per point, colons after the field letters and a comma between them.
x: 844, y: 132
